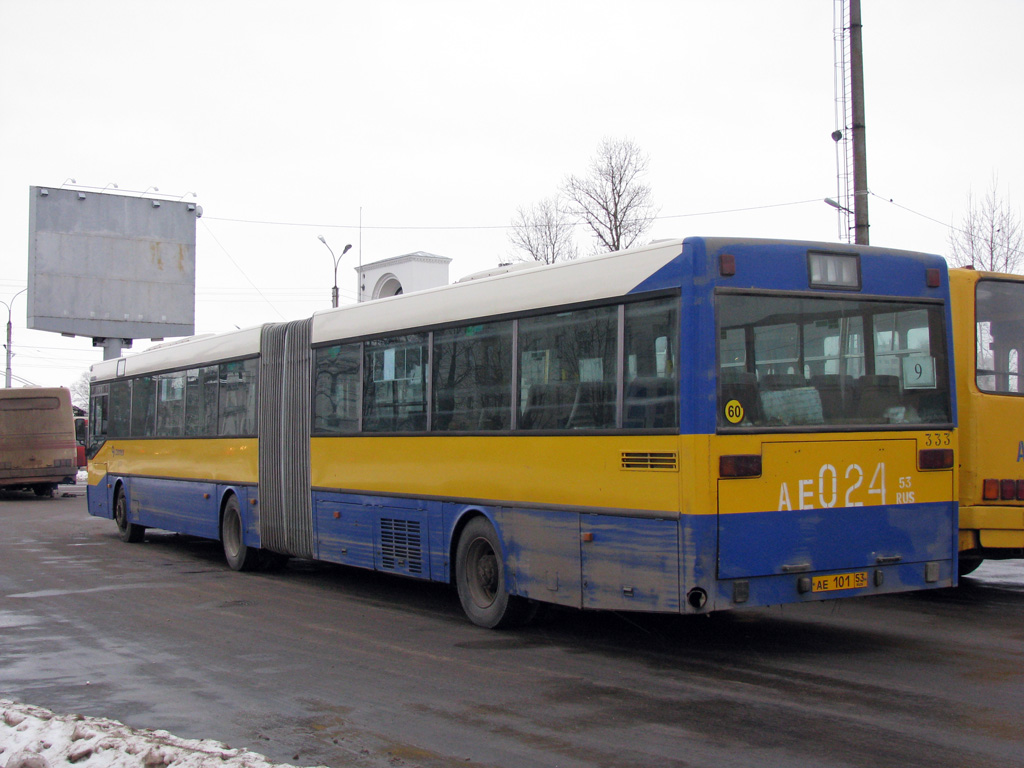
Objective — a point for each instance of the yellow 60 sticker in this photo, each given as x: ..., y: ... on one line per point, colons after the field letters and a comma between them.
x: 734, y: 411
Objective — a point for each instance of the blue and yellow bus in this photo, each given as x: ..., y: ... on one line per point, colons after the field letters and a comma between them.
x: 690, y: 426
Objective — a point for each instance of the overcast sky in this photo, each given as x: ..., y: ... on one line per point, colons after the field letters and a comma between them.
x: 438, y: 119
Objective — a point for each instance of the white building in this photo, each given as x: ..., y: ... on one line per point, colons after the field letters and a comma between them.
x: 402, y: 274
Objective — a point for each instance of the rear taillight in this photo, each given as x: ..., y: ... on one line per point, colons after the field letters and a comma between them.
x: 740, y: 465
x: 993, y: 489
x: 935, y: 458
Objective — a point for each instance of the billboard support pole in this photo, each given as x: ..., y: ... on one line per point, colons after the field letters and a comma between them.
x: 112, y: 347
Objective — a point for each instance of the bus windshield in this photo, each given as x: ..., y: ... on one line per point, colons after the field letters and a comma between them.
x: 999, y: 335
x: 799, y: 362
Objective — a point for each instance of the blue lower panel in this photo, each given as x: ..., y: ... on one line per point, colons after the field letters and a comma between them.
x: 592, y: 561
x: 98, y: 500
x: 382, y: 533
x: 182, y: 506
x: 767, y: 543
x: 630, y: 564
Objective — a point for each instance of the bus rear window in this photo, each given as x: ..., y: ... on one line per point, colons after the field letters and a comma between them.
x: 30, y: 404
x: 799, y: 362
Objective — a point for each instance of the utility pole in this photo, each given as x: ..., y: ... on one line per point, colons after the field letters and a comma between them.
x: 860, y: 160
x: 10, y: 307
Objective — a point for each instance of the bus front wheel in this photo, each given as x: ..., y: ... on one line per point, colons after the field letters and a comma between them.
x: 127, y: 530
x: 239, y: 556
x: 480, y: 578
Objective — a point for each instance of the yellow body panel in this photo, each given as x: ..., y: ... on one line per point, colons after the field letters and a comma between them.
x: 826, y: 471
x: 229, y: 460
x: 571, y: 471
x: 991, y: 432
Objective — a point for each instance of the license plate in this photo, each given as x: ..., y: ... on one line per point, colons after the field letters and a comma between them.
x: 837, y: 581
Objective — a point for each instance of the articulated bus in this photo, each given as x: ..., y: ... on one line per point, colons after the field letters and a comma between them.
x: 988, y: 328
x: 690, y: 426
x: 37, y: 439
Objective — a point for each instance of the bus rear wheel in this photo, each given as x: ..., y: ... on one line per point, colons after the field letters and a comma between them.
x: 239, y: 556
x: 127, y: 530
x: 480, y: 579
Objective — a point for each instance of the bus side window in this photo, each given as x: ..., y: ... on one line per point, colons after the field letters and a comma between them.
x: 567, y: 369
x: 201, y: 386
x: 336, y: 402
x: 652, y: 370
x: 143, y: 422
x: 394, y: 384
x: 472, y: 378
x: 170, y: 406
x: 236, y: 401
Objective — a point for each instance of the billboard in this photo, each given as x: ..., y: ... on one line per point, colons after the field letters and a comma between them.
x: 111, y: 266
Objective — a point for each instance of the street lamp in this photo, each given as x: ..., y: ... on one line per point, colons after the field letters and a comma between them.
x: 834, y: 204
x: 337, y: 259
x: 7, y: 380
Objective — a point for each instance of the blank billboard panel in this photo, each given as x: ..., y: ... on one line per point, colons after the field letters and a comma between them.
x: 111, y: 266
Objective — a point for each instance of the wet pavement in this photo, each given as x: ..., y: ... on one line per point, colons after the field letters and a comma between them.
x: 322, y: 664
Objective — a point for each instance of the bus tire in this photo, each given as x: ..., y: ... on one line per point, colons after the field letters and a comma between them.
x: 969, y: 564
x: 127, y: 530
x: 480, y: 579
x: 239, y: 556
x: 44, y: 489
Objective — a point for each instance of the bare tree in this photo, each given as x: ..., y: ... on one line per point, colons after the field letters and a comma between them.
x: 80, y: 391
x: 612, y: 199
x: 544, y: 232
x: 990, y: 235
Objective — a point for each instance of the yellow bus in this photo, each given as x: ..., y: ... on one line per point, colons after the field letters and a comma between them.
x: 690, y: 426
x: 988, y: 336
x: 37, y: 439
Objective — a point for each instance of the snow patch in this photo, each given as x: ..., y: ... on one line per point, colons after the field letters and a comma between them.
x: 33, y: 737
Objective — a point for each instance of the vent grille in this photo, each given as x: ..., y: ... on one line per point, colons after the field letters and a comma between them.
x: 401, y: 546
x: 667, y: 462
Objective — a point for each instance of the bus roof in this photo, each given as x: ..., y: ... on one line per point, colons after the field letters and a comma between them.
x: 492, y: 293
x: 536, y: 287
x: 199, y: 350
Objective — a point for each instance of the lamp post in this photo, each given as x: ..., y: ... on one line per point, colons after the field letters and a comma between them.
x: 336, y: 259
x: 834, y: 204
x: 7, y: 380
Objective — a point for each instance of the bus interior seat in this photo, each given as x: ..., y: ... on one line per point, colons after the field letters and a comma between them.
x: 773, y: 382
x: 742, y: 387
x: 547, y: 406
x: 877, y: 394
x: 787, y: 399
x: 837, y: 395
x: 593, y: 406
x: 650, y: 403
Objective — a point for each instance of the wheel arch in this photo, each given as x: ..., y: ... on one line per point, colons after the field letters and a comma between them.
x: 463, y: 519
x: 250, y: 523
x: 226, y: 494
x: 120, y: 485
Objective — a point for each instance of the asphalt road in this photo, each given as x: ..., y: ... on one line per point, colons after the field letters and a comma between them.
x: 324, y: 665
